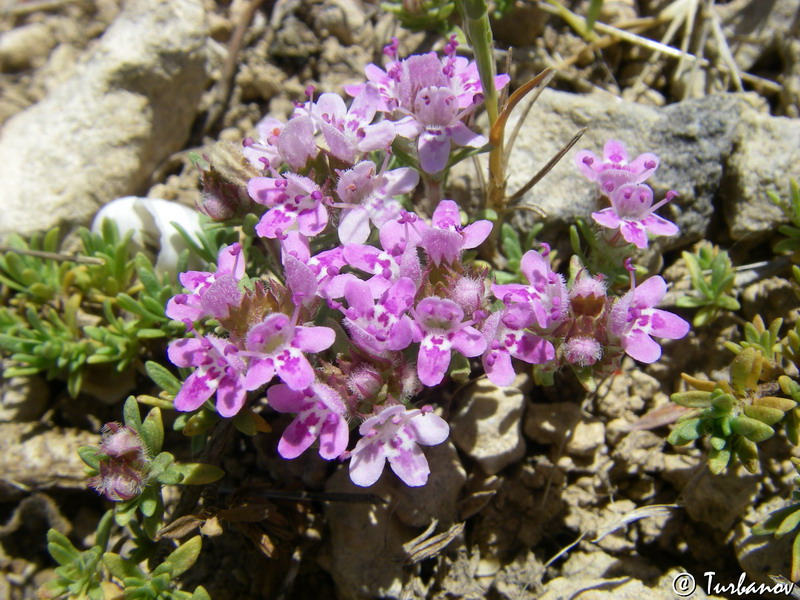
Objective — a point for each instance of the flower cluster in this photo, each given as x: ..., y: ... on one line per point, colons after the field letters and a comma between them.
x: 632, y: 212
x: 356, y: 329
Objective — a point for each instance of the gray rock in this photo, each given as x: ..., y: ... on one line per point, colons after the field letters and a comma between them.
x: 366, y: 552
x: 588, y: 436
x: 767, y: 155
x: 25, y: 47
x: 101, y: 133
x: 692, y: 138
x: 487, y: 425
x: 437, y: 499
x: 719, y: 500
x: 720, y: 149
x: 762, y: 555
x: 34, y: 458
x: 551, y: 423
x: 22, y: 399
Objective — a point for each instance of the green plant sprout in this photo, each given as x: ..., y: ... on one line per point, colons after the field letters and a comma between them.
x: 79, y: 574
x: 791, y: 209
x: 513, y: 247
x: 736, y: 414
x: 129, y: 467
x: 89, y: 575
x: 66, y: 314
x: 785, y: 521
x: 421, y: 15
x: 712, y: 281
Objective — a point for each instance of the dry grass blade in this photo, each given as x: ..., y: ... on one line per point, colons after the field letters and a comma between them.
x: 518, y: 126
x: 86, y: 260
x: 426, y: 545
x: 496, y: 133
x: 547, y: 168
x: 643, y: 512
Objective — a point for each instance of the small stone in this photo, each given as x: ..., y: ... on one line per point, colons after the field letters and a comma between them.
x: 586, y: 438
x: 487, y: 426
x: 33, y: 458
x: 22, y: 399
x: 437, y: 499
x: 760, y: 555
x: 25, y: 47
x: 130, y: 103
x: 551, y: 423
x: 365, y: 556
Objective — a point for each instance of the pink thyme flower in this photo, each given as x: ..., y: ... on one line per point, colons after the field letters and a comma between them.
x: 632, y: 212
x: 505, y: 342
x: 325, y: 265
x: 439, y: 328
x: 394, y: 435
x: 439, y: 121
x: 210, y: 294
x: 544, y: 301
x: 634, y: 318
x: 220, y: 370
x: 445, y: 238
x: 614, y: 169
x: 320, y: 414
x: 351, y: 132
x: 293, y: 199
x: 382, y: 327
x: 276, y: 346
x: 384, y: 267
x: 368, y: 196
x: 122, y: 473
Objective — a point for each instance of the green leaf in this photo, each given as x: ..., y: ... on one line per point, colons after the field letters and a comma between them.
x: 200, y: 593
x: 163, y: 378
x: 120, y: 567
x: 89, y: 455
x: 753, y: 430
x: 692, y: 399
x: 160, y: 464
x: 124, y: 511
x: 199, y: 473
x: 765, y: 414
x: 60, y: 548
x: 770, y: 525
x: 153, y: 432
x: 796, y: 558
x: 686, y: 431
x: 131, y: 414
x: 148, y: 502
x: 170, y: 476
x: 718, y: 460
x: 183, y: 557
x: 728, y: 303
x: 789, y: 524
x: 592, y: 13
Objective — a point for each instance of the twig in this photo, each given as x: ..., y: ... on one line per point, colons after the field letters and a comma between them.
x: 546, y: 169
x: 669, y: 50
x: 224, y: 86
x: 27, y: 8
x: 86, y: 260
x: 322, y: 496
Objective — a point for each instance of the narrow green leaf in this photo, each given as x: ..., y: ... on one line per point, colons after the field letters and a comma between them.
x: 788, y: 524
x: 199, y: 473
x: 153, y: 432
x: 770, y: 525
x: 183, y: 557
x: 89, y: 455
x: 131, y: 414
x: 753, y: 430
x: 162, y: 377
x: 121, y: 568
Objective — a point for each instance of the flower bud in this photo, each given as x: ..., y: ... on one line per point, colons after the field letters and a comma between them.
x: 121, y: 474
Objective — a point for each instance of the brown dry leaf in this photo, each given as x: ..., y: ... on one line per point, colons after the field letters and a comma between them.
x: 427, y: 545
